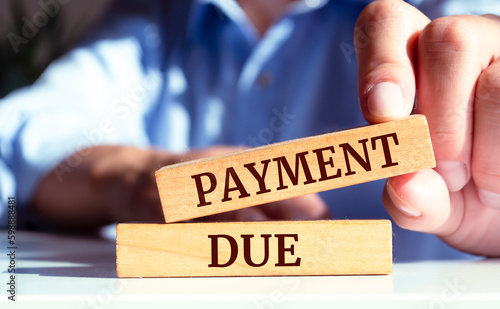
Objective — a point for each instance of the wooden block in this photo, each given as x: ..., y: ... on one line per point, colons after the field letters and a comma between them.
x: 288, y: 169
x: 272, y: 248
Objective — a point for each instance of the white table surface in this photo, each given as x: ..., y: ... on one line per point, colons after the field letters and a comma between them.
x: 56, y: 271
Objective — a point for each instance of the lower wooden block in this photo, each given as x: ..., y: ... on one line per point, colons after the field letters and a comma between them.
x: 272, y: 248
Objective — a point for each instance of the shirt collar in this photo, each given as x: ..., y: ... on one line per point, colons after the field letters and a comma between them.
x: 232, y: 10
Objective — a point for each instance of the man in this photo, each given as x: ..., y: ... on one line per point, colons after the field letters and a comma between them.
x: 163, y: 82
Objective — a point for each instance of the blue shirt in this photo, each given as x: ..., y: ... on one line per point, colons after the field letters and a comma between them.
x: 197, y: 76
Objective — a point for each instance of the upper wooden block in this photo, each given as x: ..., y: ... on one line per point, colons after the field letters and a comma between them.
x: 297, y: 167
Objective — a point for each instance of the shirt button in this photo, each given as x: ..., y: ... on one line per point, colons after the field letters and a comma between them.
x: 264, y: 79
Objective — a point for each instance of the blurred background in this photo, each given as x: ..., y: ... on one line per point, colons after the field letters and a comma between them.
x: 35, y: 32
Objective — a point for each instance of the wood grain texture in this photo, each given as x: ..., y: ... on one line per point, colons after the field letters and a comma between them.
x: 333, y: 247
x: 288, y: 169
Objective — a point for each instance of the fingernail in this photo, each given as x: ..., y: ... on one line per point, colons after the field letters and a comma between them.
x: 386, y: 100
x: 489, y: 198
x: 401, y: 204
x: 454, y: 173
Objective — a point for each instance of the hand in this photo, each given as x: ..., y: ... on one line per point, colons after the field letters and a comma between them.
x: 451, y: 66
x: 117, y: 184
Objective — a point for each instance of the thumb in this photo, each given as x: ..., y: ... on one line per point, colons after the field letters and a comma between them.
x: 386, y: 37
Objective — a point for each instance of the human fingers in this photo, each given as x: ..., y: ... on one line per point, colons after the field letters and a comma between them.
x: 452, y: 52
x: 386, y: 36
x: 420, y: 202
x: 486, y: 146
